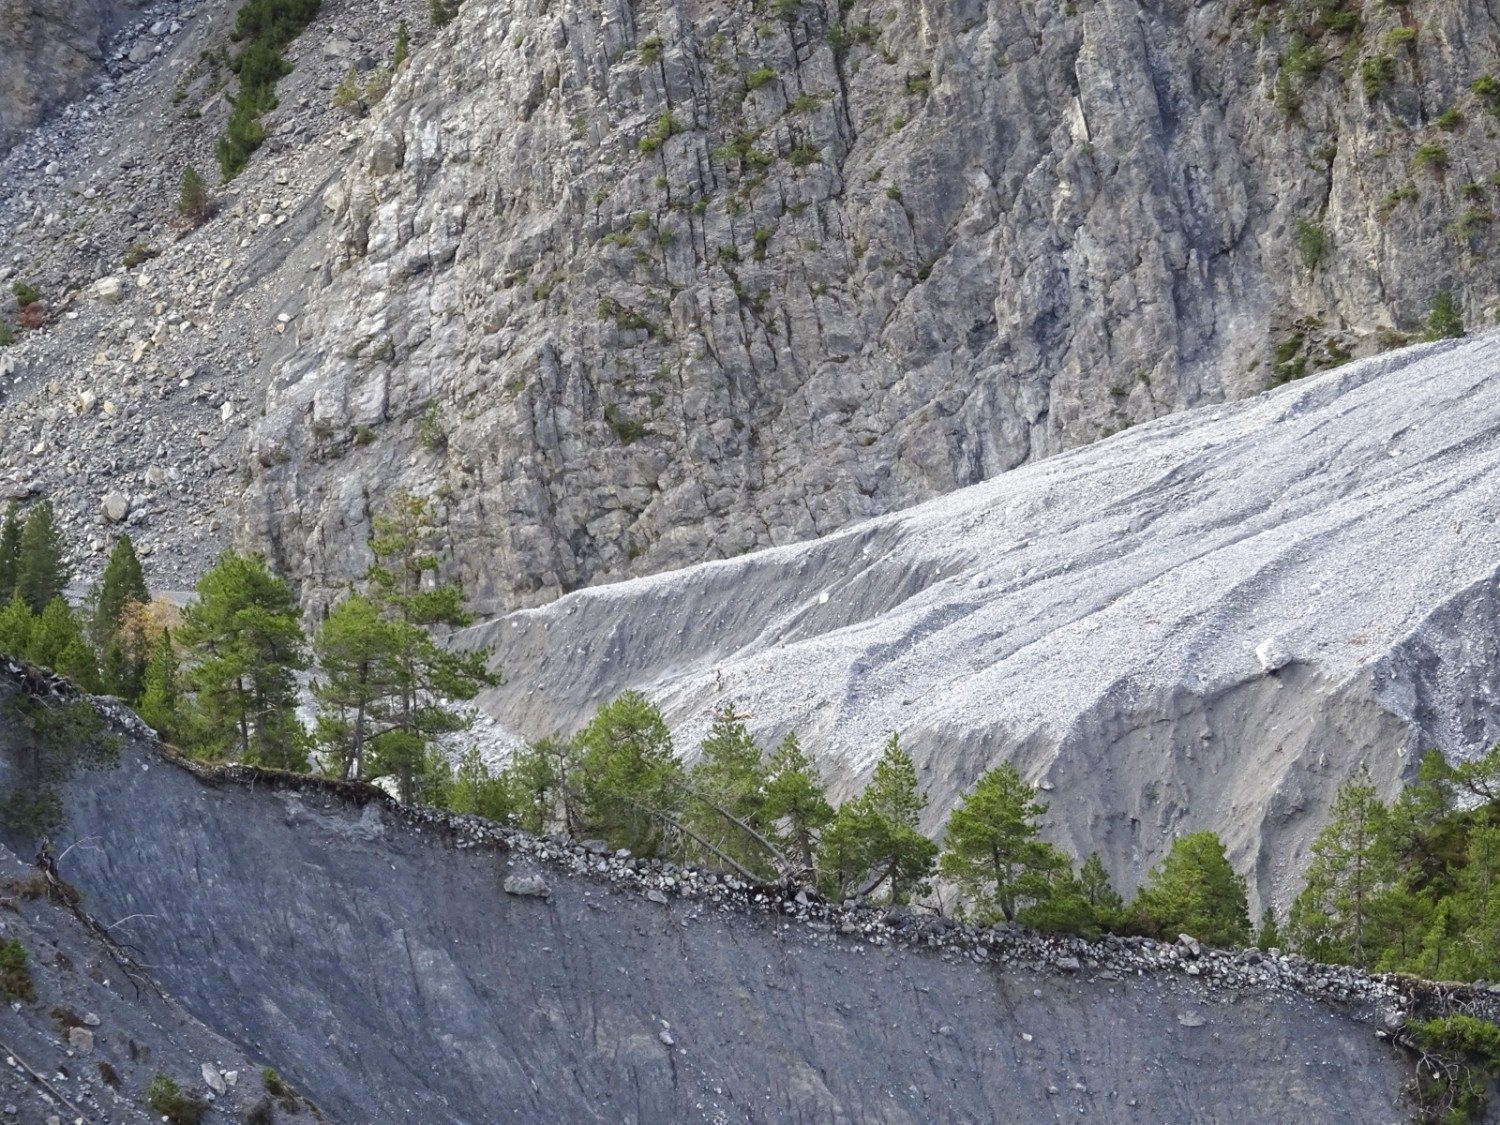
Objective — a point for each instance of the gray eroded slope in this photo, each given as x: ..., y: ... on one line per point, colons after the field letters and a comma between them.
x: 1096, y: 618
x: 383, y: 969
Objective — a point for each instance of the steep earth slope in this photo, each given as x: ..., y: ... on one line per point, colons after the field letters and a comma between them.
x: 633, y: 286
x: 1208, y: 622
x: 375, y: 956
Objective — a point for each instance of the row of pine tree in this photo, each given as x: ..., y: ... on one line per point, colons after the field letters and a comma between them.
x: 1414, y: 885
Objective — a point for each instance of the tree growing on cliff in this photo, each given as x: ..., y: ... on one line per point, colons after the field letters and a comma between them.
x: 243, y: 646
x: 994, y: 850
x: 1332, y: 919
x: 41, y: 564
x: 386, y: 683
x: 875, y: 840
x: 626, y: 777
x: 10, y: 551
x: 726, y: 807
x: 796, y: 802
x: 122, y: 586
x: 1194, y: 891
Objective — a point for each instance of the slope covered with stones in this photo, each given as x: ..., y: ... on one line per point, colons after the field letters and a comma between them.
x: 633, y: 286
x: 1209, y: 622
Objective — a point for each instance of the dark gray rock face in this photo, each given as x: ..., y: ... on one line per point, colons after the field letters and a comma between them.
x: 373, y: 957
x: 51, y: 51
x: 634, y: 286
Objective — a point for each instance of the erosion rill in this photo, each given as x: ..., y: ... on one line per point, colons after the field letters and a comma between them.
x: 398, y: 964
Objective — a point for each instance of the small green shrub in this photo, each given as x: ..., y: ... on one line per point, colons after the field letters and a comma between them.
x: 729, y: 254
x: 1445, y: 321
x: 1460, y: 1056
x: 759, y: 77
x: 1432, y: 156
x: 1470, y: 225
x: 626, y: 429
x: 274, y: 1084
x: 650, y: 50
x: 7, y: 334
x: 138, y: 253
x: 893, y: 192
x: 167, y: 1098
x: 1398, y: 37
x: 666, y: 125
x: 920, y: 83
x: 1313, y: 244
x: 803, y: 155
x: 806, y: 103
x: 443, y: 12
x: 193, y: 201
x: 1487, y: 89
x: 15, y: 976
x: 762, y: 239
x: 1403, y: 194
x: 430, y: 429
x: 25, y: 294
x: 1376, y: 74
x: 1303, y: 60
x: 402, y: 51
x: 363, y: 435
x: 1450, y: 119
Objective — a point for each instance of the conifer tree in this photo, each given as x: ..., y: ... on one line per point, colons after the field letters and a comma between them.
x: 1195, y: 891
x: 1331, y: 919
x: 42, y: 570
x: 1100, y: 892
x: 728, y: 790
x: 879, y: 832
x: 158, y: 704
x: 626, y: 776
x: 244, y: 646
x: 994, y: 851
x: 122, y: 586
x: 387, y: 683
x: 796, y: 801
x: 478, y: 790
x: 10, y: 551
x: 57, y: 642
x: 16, y: 621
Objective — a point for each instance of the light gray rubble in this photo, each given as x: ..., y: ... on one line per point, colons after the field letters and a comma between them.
x: 1207, y: 622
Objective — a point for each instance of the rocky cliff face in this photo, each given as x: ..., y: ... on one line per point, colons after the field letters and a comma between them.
x: 396, y: 965
x: 633, y: 286
x: 51, y: 54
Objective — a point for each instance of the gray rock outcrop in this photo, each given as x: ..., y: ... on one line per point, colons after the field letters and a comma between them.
x: 634, y: 286
x: 51, y: 52
x: 1101, y: 619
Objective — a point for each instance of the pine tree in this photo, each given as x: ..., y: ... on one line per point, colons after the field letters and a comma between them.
x: 728, y: 787
x: 123, y: 586
x: 158, y: 704
x: 1195, y: 891
x: 1097, y: 888
x: 392, y: 669
x: 881, y: 833
x: 57, y: 642
x: 403, y: 45
x: 352, y: 648
x: 42, y: 570
x: 994, y: 851
x: 10, y: 551
x: 626, y: 775
x: 796, y: 801
x: 16, y: 623
x: 1330, y: 920
x: 244, y: 647
x: 477, y: 790
x: 1269, y: 934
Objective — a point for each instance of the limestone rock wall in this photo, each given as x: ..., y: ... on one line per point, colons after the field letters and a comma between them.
x: 629, y: 287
